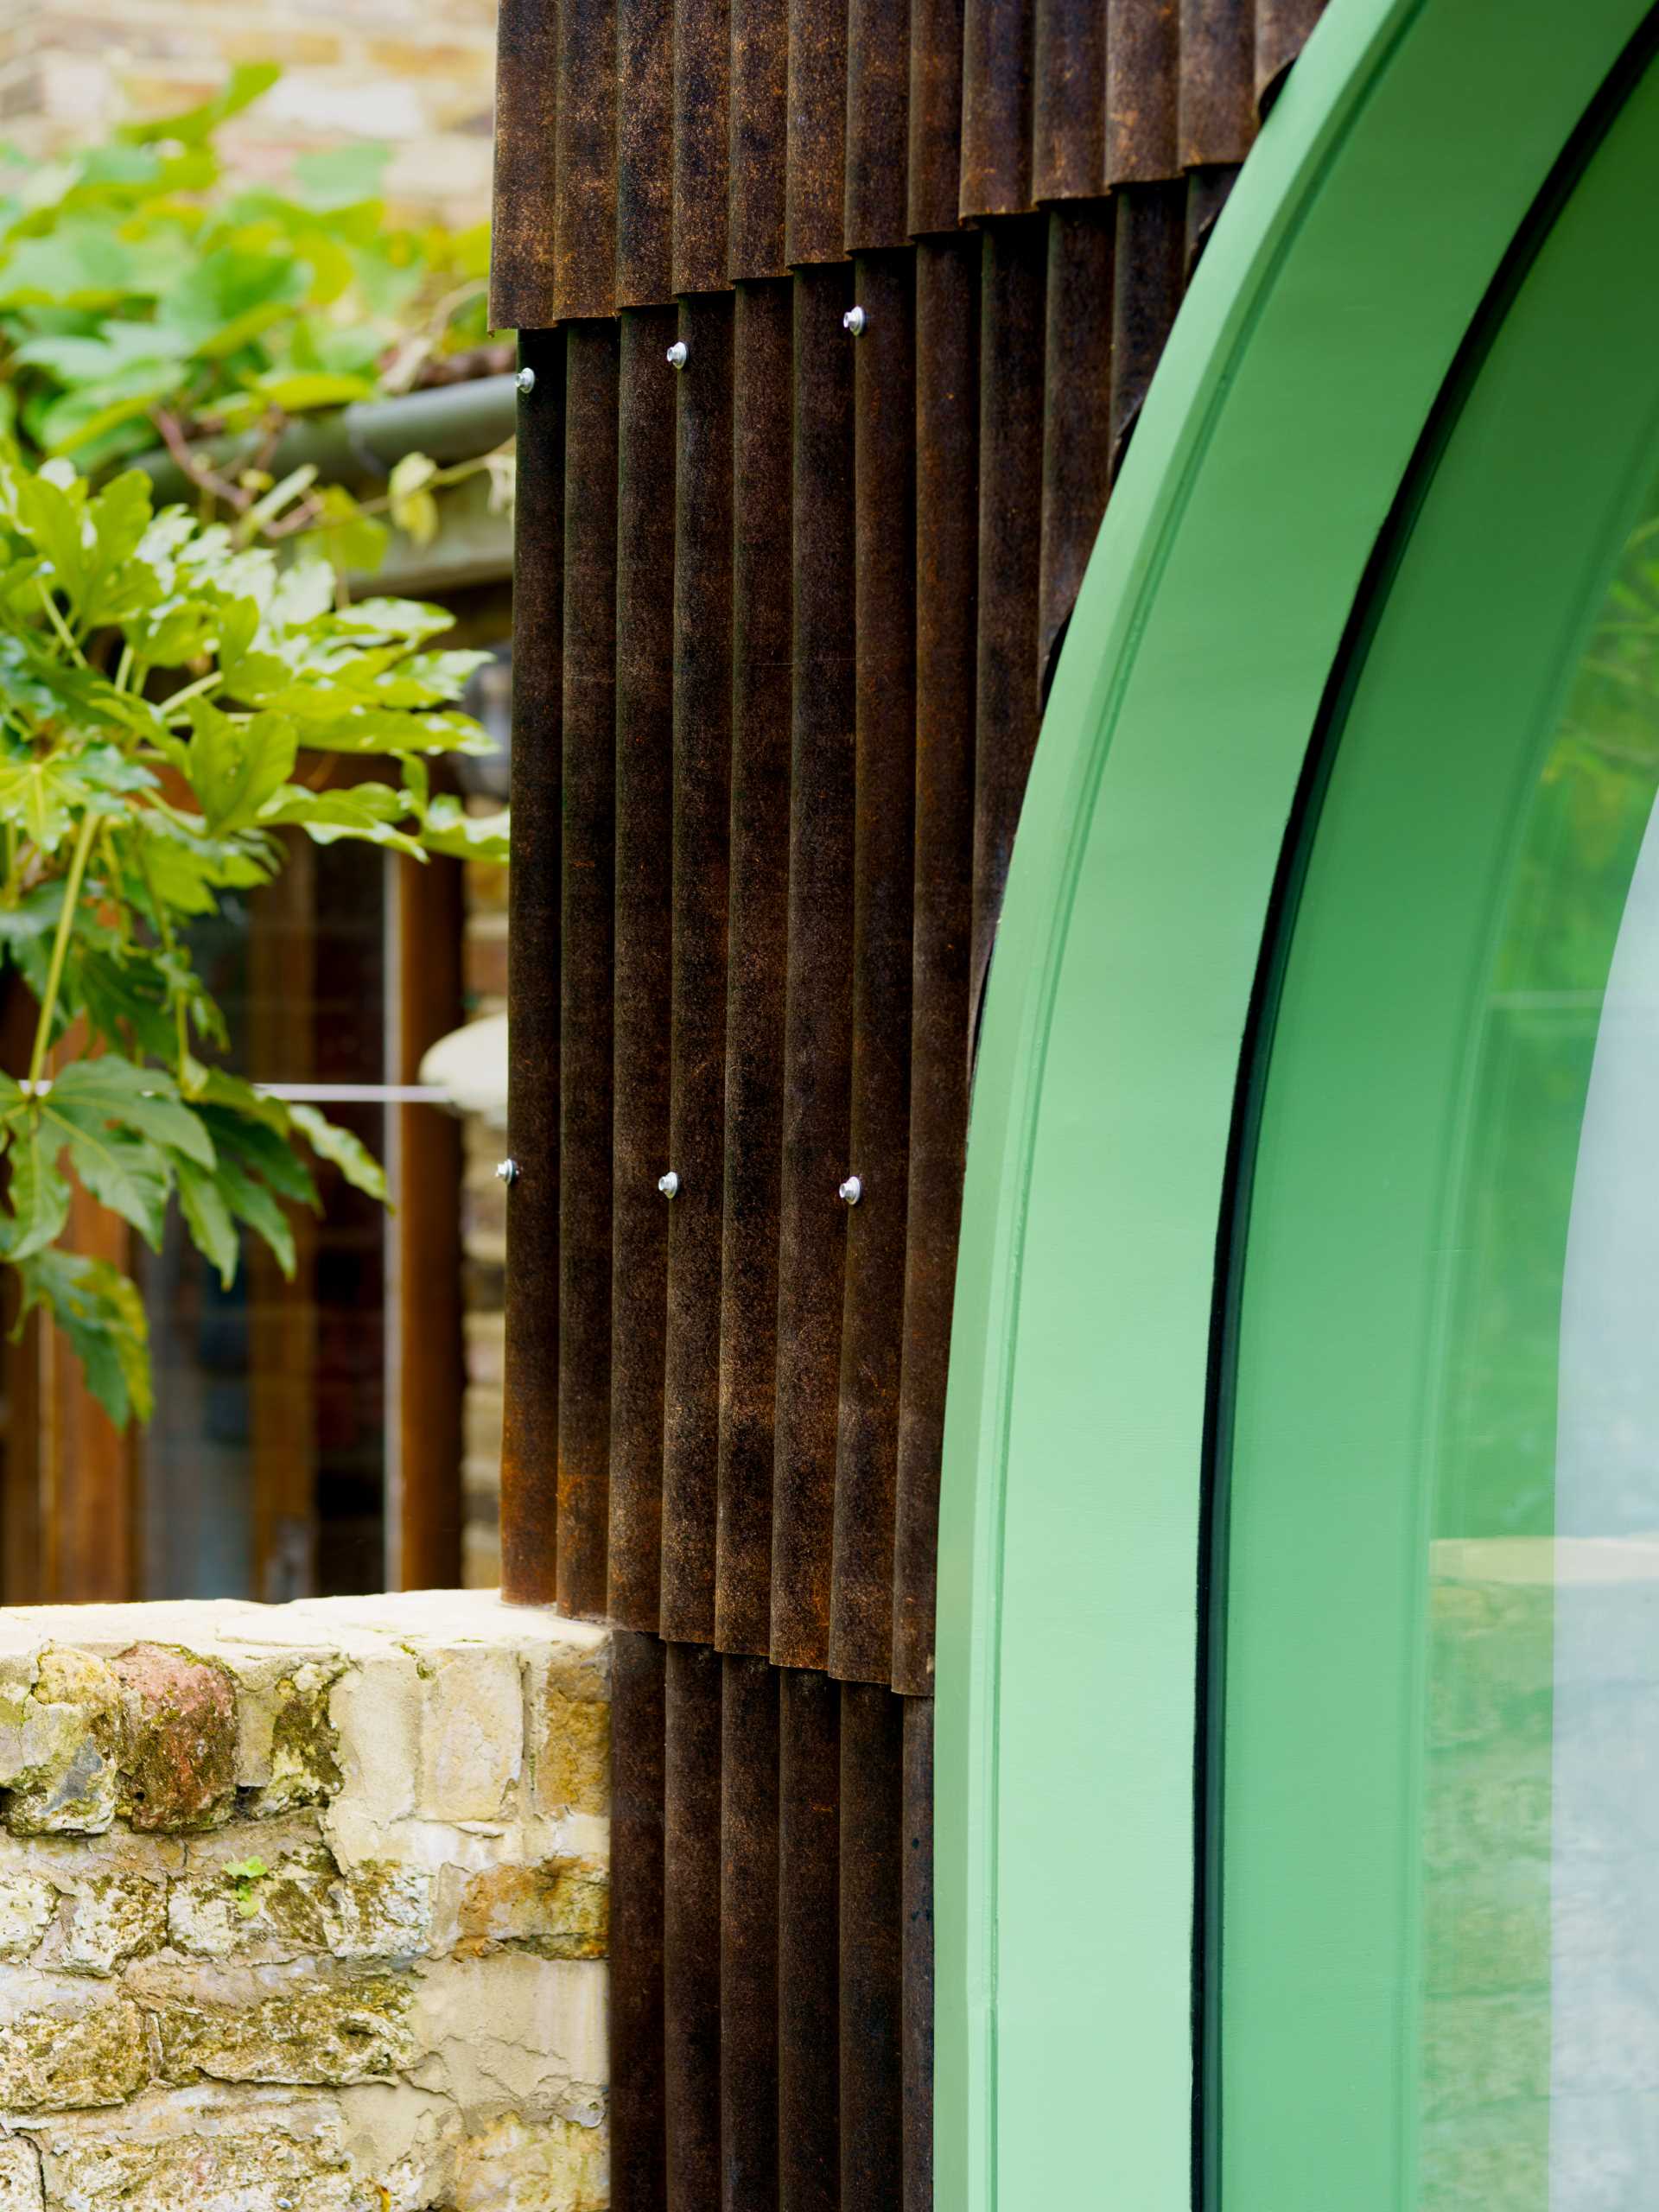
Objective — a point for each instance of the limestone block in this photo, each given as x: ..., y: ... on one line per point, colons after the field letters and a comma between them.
x: 178, y: 2153
x: 60, y: 1747
x: 27, y: 1904
x: 472, y: 1734
x: 569, y: 1738
x: 376, y: 1710
x: 516, y: 2165
x: 379, y: 1912
x: 515, y: 2031
x: 113, y: 1918
x: 559, y: 1909
x: 278, y: 2024
x: 301, y: 1762
x: 179, y: 1762
x: 59, y: 2061
x: 20, y: 2176
x: 244, y: 1904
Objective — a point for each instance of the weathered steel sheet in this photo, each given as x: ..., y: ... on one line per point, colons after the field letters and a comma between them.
x: 691, y: 1926
x: 702, y: 756
x: 917, y: 1908
x: 809, y: 1854
x: 815, y: 159
x: 1216, y: 118
x: 1149, y: 274
x: 645, y: 178
x: 1068, y: 138
x: 935, y: 154
x: 757, y: 942
x: 872, y: 1948
x: 1143, y: 71
x: 998, y: 36
x: 584, y: 207
x: 1076, y: 408
x: 703, y: 68
x: 818, y: 1048
x: 884, y: 499
x: 530, y: 1442
x: 878, y: 125
x: 759, y: 138
x: 638, y: 2133
x: 749, y: 1938
x: 947, y: 628
x: 645, y: 784
x: 526, y: 146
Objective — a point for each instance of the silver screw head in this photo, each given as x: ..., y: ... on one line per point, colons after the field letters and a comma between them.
x: 527, y: 381
x: 854, y: 320
x: 677, y: 354
x: 506, y: 1171
x: 851, y: 1190
x: 669, y: 1184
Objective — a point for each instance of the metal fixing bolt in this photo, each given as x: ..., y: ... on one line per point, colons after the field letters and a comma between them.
x: 506, y: 1171
x: 526, y: 382
x: 851, y: 1190
x: 677, y: 354
x: 669, y: 1184
x: 854, y: 321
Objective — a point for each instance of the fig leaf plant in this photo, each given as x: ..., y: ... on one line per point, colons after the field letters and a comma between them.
x: 174, y: 701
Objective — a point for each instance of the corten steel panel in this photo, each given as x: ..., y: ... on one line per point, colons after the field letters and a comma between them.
x: 691, y: 1834
x: 1069, y: 138
x: 1281, y: 31
x: 748, y: 1937
x: 872, y: 1947
x: 586, y: 965
x: 809, y: 1850
x: 584, y: 211
x: 1076, y: 427
x: 703, y: 759
x: 702, y: 104
x: 996, y: 107
x: 757, y: 954
x: 861, y: 1622
x: 1217, y: 103
x: 529, y: 1441
x: 935, y: 165
x: 758, y: 137
x: 1206, y: 195
x: 1013, y: 282
x: 527, y: 146
x: 644, y: 779
x: 638, y: 2131
x: 917, y: 1906
x: 878, y: 124
x: 817, y: 1045
x: 1149, y: 272
x: 645, y: 176
x: 815, y: 174
x: 1143, y: 89
x: 947, y: 621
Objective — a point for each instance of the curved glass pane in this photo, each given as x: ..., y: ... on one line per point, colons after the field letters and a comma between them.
x: 1539, y: 2053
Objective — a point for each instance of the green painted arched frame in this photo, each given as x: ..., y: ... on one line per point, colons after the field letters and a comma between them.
x: 1395, y: 172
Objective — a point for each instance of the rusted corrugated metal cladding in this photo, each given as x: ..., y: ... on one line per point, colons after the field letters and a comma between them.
x: 785, y: 624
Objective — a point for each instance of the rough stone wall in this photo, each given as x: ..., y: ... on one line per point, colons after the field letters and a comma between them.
x: 419, y: 77
x: 302, y: 1908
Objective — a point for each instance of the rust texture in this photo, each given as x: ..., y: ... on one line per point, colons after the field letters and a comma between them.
x: 584, y: 208
x: 701, y: 101
x: 749, y: 1938
x: 644, y: 760
x: 785, y: 621
x: 878, y: 125
x: 586, y: 957
x: 638, y: 2135
x: 916, y: 1880
x: 860, y: 1628
x: 757, y: 952
x: 947, y: 624
x: 809, y: 1850
x: 872, y: 1946
x: 691, y: 1770
x: 529, y: 1441
x: 702, y: 753
x: 818, y: 1046
x: 996, y: 107
x: 645, y: 115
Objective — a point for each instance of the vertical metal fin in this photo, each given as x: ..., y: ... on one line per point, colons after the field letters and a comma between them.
x: 1217, y: 101
x: 809, y: 1789
x: 872, y: 1948
x: 935, y: 165
x: 639, y: 2128
x: 703, y: 724
x: 529, y: 1441
x: 701, y: 113
x: 584, y: 267
x: 758, y: 137
x: 818, y: 1026
x: 748, y: 1937
x: 1143, y: 63
x: 816, y: 166
x: 878, y: 124
x: 526, y: 164
x: 691, y: 1927
x: 1069, y: 148
x: 860, y: 1632
x: 996, y: 107
x: 1150, y: 274
x: 917, y: 1909
x: 756, y: 972
x: 1077, y: 423
x: 585, y: 1132
x: 644, y: 171
x: 644, y: 780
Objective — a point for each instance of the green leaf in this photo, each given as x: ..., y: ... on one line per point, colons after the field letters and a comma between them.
x: 265, y: 1149
x: 103, y: 1316
x: 122, y: 1171
x: 236, y: 765
x: 365, y: 811
x: 40, y: 798
x: 229, y: 297
x: 145, y: 1098
x: 352, y: 1157
x: 213, y: 1229
x: 449, y: 828
x: 193, y: 126
x: 38, y: 1195
x: 252, y: 1202
x: 297, y: 390
x: 342, y: 176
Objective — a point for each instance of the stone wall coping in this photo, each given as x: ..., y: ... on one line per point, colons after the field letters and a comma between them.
x: 235, y: 1630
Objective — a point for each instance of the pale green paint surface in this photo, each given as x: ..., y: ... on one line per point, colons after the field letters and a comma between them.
x: 1303, y: 367
x: 1344, y: 1455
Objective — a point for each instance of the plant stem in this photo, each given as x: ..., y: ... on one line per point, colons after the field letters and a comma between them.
x: 124, y: 666
x: 55, y: 615
x: 60, y: 947
x: 191, y: 691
